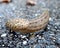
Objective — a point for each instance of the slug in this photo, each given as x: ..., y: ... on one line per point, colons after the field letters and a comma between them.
x: 29, y: 26
x: 5, y: 1
x: 31, y: 3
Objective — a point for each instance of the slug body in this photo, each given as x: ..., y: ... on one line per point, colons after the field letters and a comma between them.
x: 31, y: 3
x: 29, y: 26
x: 5, y: 1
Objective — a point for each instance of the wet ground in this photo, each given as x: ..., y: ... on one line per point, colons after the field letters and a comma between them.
x: 48, y: 38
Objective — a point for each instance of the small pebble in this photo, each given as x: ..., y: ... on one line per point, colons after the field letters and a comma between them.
x: 3, y: 35
x: 23, y: 36
x: 24, y: 42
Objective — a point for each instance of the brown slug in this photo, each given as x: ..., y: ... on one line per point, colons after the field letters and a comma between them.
x: 31, y: 3
x: 29, y: 26
x: 5, y: 1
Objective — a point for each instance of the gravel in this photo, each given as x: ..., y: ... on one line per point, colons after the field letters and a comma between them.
x: 49, y: 38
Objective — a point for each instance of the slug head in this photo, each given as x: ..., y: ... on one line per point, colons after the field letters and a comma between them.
x: 17, y: 24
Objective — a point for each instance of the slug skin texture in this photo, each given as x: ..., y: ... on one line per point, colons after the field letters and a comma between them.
x: 29, y: 26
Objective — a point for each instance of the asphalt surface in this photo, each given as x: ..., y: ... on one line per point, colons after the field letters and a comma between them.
x: 48, y: 38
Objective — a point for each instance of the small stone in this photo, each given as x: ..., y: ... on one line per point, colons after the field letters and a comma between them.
x: 40, y: 37
x: 24, y: 42
x: 50, y: 19
x: 35, y: 46
x: 19, y: 44
x: 3, y: 45
x: 3, y: 35
x: 23, y: 36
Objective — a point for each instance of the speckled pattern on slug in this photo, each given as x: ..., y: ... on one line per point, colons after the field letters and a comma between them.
x: 29, y: 26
